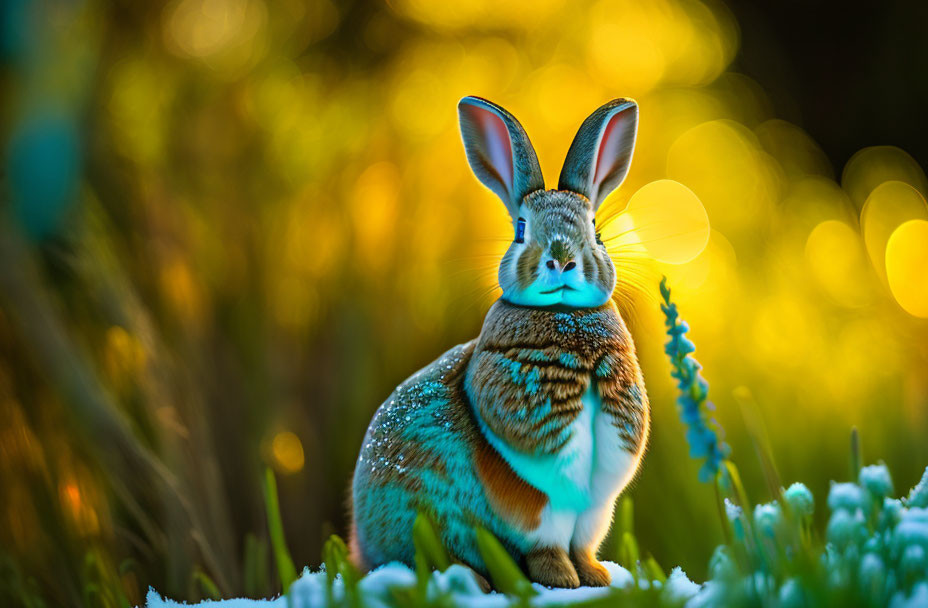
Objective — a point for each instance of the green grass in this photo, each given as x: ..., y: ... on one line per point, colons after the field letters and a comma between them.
x: 285, y: 568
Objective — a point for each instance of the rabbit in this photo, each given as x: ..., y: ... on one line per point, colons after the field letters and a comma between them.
x: 534, y: 428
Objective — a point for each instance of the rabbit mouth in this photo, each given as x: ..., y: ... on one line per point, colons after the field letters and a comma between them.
x: 556, y: 289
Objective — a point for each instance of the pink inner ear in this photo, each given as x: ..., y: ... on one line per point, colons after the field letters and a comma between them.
x: 498, y: 147
x: 610, y: 148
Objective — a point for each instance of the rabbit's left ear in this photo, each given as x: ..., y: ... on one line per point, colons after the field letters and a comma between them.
x: 601, y: 153
x: 499, y: 152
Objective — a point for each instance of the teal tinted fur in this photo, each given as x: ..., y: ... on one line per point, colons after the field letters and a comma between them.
x: 416, y: 456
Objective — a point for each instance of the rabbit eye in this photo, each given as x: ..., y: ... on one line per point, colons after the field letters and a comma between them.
x: 520, y: 231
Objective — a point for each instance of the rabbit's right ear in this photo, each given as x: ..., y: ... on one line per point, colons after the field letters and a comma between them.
x: 601, y: 153
x: 499, y: 152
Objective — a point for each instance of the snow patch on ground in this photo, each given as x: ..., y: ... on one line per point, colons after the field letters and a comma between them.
x: 309, y: 591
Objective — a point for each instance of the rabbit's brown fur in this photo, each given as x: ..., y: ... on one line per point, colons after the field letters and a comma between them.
x: 554, y: 357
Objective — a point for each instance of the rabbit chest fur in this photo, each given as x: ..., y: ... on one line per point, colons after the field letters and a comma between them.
x: 559, y: 395
x: 530, y: 431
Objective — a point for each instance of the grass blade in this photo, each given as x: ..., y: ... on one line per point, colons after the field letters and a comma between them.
x: 346, y: 568
x: 285, y: 568
x: 629, y: 552
x: 723, y: 516
x: 335, y: 556
x: 737, y: 487
x: 426, y: 540
x: 506, y: 575
x: 855, y: 454
x: 206, y: 585
x: 654, y: 570
x: 750, y: 413
x: 627, y: 515
x: 255, y: 566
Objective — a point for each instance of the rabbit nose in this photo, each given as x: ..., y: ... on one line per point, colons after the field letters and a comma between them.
x: 553, y: 264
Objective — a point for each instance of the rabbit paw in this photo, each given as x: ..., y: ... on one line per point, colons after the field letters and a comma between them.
x: 589, y: 570
x: 482, y: 582
x: 551, y: 567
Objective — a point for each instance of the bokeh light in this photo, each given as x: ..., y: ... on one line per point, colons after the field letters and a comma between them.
x: 287, y: 452
x: 225, y: 34
x: 887, y: 207
x: 836, y: 258
x: 668, y: 220
x: 721, y: 162
x: 907, y: 266
x: 873, y: 166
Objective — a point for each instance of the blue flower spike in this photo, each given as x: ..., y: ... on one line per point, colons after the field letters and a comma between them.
x: 703, y: 433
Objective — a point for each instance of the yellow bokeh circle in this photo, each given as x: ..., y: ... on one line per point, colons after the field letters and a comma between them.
x: 907, y: 266
x: 669, y: 221
x: 888, y: 206
x: 287, y: 452
x: 836, y: 259
x: 722, y: 162
x: 873, y: 166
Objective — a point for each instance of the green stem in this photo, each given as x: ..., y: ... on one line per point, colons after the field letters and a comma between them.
x: 285, y: 568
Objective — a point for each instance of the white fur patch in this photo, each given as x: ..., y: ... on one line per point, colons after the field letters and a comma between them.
x: 581, y: 481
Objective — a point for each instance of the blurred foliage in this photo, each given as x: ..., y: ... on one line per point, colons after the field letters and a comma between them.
x: 231, y: 227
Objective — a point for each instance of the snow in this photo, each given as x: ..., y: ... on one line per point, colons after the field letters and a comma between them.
x: 678, y: 587
x: 309, y: 591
